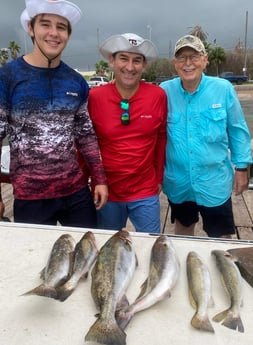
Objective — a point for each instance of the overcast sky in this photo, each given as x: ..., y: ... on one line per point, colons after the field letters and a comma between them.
x: 163, y: 21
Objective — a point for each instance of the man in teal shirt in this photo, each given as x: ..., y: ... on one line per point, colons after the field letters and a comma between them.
x: 207, y: 138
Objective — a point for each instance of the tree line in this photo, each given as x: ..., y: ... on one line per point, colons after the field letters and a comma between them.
x: 219, y: 59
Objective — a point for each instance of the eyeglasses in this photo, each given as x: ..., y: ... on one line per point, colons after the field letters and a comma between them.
x: 125, y: 116
x: 192, y: 58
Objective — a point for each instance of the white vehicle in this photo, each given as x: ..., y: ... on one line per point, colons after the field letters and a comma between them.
x: 97, y: 81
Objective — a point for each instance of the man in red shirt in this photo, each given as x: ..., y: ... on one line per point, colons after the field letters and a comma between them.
x: 129, y: 117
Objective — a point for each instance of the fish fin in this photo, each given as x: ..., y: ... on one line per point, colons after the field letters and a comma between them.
x: 62, y: 281
x: 85, y: 275
x: 202, y: 323
x: 192, y: 300
x: 123, y: 317
x: 136, y: 261
x: 42, y: 273
x: 122, y: 303
x: 167, y: 294
x: 230, y: 320
x: 143, y: 289
x: 63, y: 293
x: 104, y: 332
x: 42, y: 290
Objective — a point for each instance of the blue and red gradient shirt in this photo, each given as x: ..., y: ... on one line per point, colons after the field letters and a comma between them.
x: 43, y: 113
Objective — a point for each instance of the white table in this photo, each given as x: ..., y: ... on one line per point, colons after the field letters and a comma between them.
x: 34, y: 320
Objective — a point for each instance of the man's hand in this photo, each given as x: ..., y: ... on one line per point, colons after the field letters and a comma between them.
x: 100, y: 196
x: 159, y: 188
x: 241, y: 181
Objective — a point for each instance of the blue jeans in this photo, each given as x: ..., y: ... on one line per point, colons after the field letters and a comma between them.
x: 143, y: 213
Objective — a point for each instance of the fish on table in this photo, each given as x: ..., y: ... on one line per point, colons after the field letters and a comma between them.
x: 85, y: 254
x: 232, y: 281
x: 58, y: 269
x: 111, y: 276
x: 199, y: 283
x: 164, y: 269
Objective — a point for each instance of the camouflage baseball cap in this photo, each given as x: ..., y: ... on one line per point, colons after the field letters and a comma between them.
x: 192, y: 42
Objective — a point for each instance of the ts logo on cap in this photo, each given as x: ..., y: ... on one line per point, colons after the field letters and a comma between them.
x: 133, y: 41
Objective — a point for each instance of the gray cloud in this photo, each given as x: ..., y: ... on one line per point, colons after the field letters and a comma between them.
x: 165, y: 21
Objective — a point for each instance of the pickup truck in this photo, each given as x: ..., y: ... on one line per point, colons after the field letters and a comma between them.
x: 97, y: 81
x: 233, y: 78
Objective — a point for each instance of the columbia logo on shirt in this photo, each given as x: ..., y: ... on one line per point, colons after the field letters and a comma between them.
x: 69, y: 93
x: 146, y: 116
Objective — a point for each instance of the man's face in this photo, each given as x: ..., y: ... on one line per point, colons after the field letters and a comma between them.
x: 190, y: 64
x: 50, y: 33
x: 128, y: 69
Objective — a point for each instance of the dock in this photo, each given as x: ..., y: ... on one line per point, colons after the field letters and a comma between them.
x: 242, y: 207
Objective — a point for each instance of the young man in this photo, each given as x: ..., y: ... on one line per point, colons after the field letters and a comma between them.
x: 43, y: 112
x: 129, y: 118
x: 207, y: 135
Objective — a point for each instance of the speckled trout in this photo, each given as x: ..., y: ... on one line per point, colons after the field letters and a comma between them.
x: 58, y: 268
x: 111, y: 275
x: 85, y: 254
x: 231, y: 279
x: 199, y: 282
x: 163, y: 274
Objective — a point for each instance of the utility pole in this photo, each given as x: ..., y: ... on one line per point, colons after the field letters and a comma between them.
x: 149, y: 27
x: 245, y: 46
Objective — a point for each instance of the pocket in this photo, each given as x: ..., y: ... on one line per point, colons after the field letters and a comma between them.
x: 213, y: 124
x: 175, y: 126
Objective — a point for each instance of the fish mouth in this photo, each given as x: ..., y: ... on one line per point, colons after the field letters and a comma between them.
x: 123, y: 235
x: 125, y: 239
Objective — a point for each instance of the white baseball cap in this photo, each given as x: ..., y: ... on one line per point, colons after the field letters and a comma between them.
x: 62, y: 8
x: 131, y: 43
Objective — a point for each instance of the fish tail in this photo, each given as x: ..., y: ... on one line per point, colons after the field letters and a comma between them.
x: 123, y: 317
x: 202, y: 323
x: 230, y: 320
x: 43, y: 290
x: 107, y: 333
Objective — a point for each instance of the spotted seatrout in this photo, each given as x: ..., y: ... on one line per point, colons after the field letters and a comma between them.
x: 231, y: 279
x: 163, y: 274
x: 85, y: 254
x: 58, y: 268
x: 111, y: 275
x: 199, y: 282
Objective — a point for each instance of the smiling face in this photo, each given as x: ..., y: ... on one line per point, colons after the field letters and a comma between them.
x: 189, y: 65
x: 50, y: 34
x: 128, y: 69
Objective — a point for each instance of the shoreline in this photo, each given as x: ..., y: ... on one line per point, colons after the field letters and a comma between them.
x: 244, y: 92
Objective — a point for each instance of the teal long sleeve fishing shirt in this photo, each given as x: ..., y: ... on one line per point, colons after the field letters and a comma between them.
x: 207, y: 136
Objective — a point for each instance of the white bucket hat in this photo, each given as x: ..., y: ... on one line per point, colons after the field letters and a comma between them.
x: 62, y: 8
x: 131, y: 43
